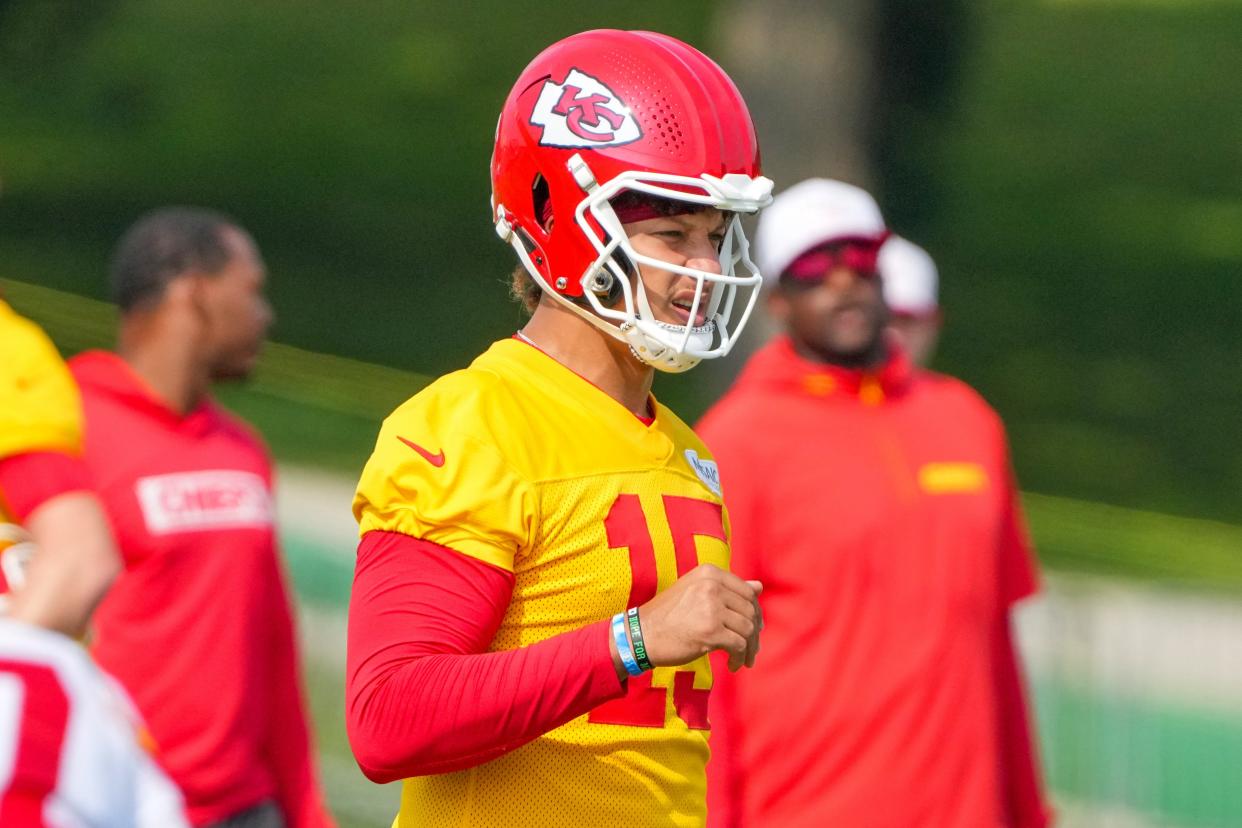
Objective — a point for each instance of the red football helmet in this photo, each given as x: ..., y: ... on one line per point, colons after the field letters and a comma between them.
x: 605, y: 112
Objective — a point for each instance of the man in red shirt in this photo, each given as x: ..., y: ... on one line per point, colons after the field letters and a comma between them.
x: 198, y: 628
x: 876, y: 504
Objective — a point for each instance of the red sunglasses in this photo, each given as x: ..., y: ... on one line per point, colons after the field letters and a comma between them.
x: 856, y: 254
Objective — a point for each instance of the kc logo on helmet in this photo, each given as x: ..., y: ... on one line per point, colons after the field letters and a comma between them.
x: 582, y: 112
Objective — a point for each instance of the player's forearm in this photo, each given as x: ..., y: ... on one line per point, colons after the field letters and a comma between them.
x: 436, y: 713
x: 75, y: 564
x: 423, y: 695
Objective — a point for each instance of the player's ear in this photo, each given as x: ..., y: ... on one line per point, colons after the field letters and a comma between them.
x: 179, y: 292
x: 189, y: 292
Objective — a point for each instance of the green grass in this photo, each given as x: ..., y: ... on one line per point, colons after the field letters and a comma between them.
x: 1177, y: 765
x: 1094, y: 537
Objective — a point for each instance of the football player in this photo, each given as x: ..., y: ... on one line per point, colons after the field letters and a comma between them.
x: 879, y: 497
x: 45, y: 498
x: 543, y: 568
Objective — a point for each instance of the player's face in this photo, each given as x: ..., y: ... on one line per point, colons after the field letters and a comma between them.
x: 690, y: 240
x: 840, y: 318
x: 236, y: 312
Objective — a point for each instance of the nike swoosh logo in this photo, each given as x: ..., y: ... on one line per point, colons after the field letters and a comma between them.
x: 436, y: 460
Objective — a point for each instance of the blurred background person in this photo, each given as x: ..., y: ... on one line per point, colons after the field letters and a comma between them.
x: 198, y: 627
x: 911, y: 287
x: 876, y: 504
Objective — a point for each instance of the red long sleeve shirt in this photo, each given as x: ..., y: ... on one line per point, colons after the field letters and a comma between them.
x: 880, y: 513
x: 198, y: 627
x: 422, y: 694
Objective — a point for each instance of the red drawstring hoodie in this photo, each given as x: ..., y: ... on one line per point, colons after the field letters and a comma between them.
x: 879, y: 510
x: 198, y: 628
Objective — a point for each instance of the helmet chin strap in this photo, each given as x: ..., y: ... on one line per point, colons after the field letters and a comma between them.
x: 657, y: 343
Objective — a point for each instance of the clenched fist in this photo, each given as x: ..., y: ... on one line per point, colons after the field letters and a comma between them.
x: 706, y: 609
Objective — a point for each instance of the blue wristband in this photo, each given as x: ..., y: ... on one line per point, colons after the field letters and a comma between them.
x: 623, y: 645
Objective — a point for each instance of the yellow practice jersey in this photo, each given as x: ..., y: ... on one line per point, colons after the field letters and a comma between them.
x: 519, y: 462
x: 39, y: 405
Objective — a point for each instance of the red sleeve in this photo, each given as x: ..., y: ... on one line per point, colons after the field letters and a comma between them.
x: 1023, y: 788
x: 288, y: 747
x: 422, y: 695
x: 27, y: 481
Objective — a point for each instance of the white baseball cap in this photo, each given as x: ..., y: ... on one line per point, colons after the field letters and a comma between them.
x: 910, y: 278
x: 813, y: 212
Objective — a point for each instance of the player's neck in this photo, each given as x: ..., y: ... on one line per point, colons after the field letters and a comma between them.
x: 593, y: 355
x: 165, y: 360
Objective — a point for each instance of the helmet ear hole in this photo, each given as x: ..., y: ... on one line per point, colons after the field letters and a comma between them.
x: 541, y: 200
x: 611, y: 291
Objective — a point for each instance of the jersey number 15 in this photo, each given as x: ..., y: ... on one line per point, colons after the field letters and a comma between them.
x: 626, y: 525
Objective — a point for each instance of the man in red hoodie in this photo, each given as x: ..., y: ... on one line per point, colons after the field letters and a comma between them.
x: 198, y: 628
x: 875, y: 502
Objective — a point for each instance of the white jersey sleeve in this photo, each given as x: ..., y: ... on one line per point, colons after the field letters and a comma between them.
x: 71, y: 753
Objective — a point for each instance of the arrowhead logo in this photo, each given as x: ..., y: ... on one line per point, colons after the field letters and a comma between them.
x: 436, y: 460
x: 706, y: 470
x: 583, y: 112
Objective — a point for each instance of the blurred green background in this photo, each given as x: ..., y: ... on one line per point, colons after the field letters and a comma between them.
x: 1074, y: 167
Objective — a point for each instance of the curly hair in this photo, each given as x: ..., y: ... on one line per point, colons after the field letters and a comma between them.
x: 524, y: 289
